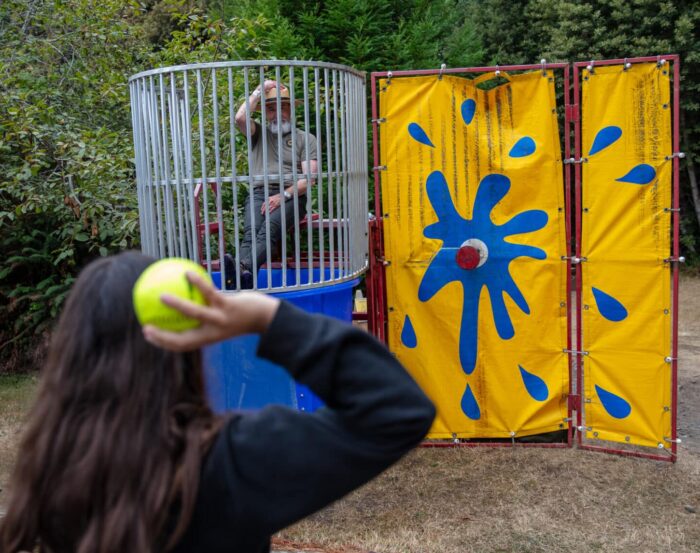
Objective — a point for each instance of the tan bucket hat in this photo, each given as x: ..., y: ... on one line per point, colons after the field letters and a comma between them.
x: 271, y: 97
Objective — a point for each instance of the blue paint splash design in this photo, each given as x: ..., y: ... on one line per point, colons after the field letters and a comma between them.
x: 452, y: 229
x: 523, y: 147
x: 468, y: 110
x: 470, y: 407
x: 534, y: 385
x: 641, y: 174
x: 418, y: 134
x: 605, y: 137
x: 408, y: 334
x: 613, y: 404
x: 609, y: 307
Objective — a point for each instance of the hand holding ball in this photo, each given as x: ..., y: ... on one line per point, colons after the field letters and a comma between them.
x: 167, y: 276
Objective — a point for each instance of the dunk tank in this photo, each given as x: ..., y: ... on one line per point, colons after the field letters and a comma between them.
x: 195, y: 178
x: 522, y: 256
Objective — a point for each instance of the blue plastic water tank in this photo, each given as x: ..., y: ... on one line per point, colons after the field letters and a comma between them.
x: 238, y: 379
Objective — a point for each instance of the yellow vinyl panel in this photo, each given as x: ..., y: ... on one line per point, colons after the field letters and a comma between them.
x: 475, y: 177
x: 626, y: 135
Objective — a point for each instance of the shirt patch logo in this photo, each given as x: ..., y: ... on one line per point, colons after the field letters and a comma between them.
x: 289, y: 142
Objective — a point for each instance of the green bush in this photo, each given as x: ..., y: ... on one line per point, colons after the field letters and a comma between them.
x: 67, y: 192
x: 65, y: 154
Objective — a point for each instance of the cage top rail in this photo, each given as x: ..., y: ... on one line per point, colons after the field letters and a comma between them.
x: 247, y: 63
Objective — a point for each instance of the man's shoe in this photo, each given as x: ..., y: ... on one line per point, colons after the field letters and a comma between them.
x: 246, y: 280
x: 230, y: 268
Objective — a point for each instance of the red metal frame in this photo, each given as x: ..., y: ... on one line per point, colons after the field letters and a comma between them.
x: 676, y: 251
x: 377, y: 301
x: 557, y: 445
x: 675, y: 60
x: 577, y: 240
x: 569, y: 112
x: 377, y: 275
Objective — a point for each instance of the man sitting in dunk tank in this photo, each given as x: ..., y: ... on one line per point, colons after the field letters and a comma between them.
x: 286, y: 147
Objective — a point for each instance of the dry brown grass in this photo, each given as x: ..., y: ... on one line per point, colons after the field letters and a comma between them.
x: 522, y: 499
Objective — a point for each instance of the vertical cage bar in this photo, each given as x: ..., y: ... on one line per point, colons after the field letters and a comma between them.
x: 148, y: 188
x: 182, y: 169
x: 156, y: 167
x: 307, y: 179
x: 136, y: 135
x: 338, y: 178
x: 295, y: 178
x: 153, y: 162
x: 203, y: 168
x: 251, y: 187
x: 172, y: 109
x: 234, y: 182
x: 266, y: 176
x: 329, y: 155
x: 360, y: 177
x: 319, y: 172
x: 281, y: 183
x: 164, y: 156
x: 196, y: 254
x: 217, y: 172
x: 352, y: 176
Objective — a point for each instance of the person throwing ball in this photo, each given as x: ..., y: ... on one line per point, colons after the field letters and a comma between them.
x: 122, y: 451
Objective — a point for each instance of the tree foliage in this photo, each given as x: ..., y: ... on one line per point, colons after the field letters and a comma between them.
x: 570, y: 30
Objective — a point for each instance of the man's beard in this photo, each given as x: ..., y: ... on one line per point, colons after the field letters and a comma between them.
x: 284, y: 128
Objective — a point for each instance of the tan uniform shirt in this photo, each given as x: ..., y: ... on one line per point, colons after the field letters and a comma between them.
x: 304, y: 142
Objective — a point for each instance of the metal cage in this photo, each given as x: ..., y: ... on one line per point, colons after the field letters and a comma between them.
x: 194, y: 181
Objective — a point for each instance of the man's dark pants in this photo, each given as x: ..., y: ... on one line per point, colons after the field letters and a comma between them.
x: 259, y: 233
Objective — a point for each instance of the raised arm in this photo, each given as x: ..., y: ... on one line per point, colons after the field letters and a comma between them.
x: 253, y: 102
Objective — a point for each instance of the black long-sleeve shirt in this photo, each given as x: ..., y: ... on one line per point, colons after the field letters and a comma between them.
x: 270, y: 468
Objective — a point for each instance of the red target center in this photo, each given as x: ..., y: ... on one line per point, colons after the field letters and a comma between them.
x: 468, y: 257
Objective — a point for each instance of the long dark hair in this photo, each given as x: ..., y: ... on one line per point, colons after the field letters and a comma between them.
x: 111, y: 455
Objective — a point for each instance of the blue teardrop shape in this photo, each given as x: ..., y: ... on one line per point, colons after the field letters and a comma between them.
x: 609, y: 307
x: 605, y: 137
x: 468, y: 110
x: 641, y: 174
x: 408, y: 334
x: 523, y: 147
x: 417, y: 133
x: 613, y: 404
x: 534, y: 385
x: 469, y: 404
